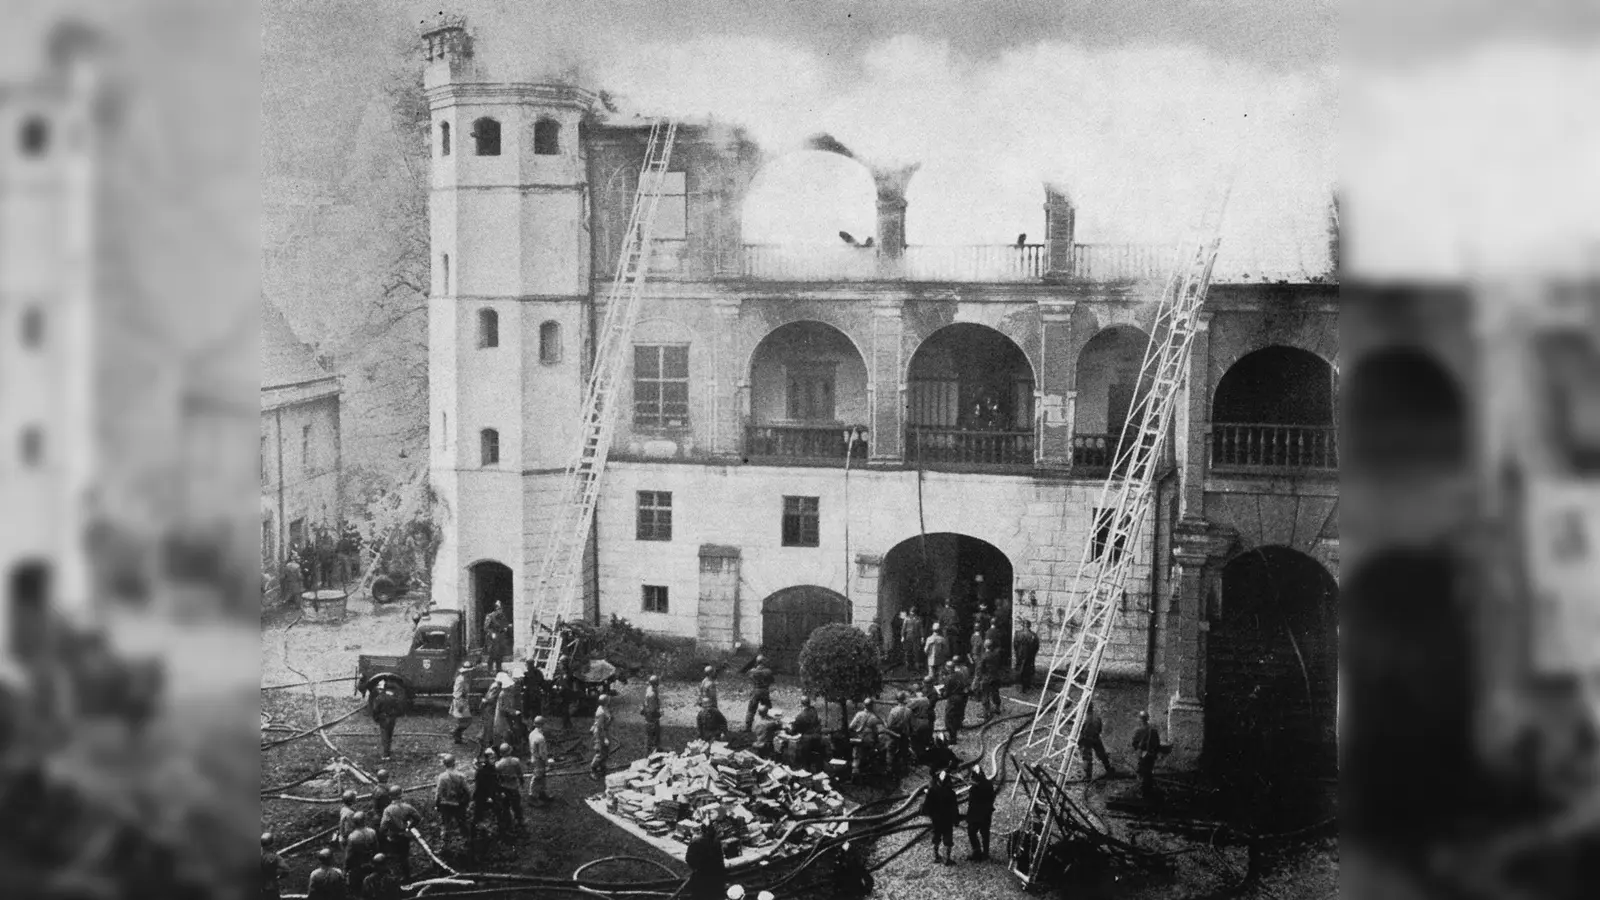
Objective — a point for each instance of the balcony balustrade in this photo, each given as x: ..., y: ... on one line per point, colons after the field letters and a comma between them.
x: 1274, y: 447
x: 800, y: 445
x: 954, y: 446
x: 969, y: 263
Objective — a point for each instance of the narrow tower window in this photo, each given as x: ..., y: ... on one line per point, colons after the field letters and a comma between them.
x: 35, y: 136
x: 444, y: 138
x: 550, y: 343
x: 488, y: 328
x: 547, y: 137
x: 490, y: 440
x: 33, y: 327
x: 486, y: 135
x: 32, y: 446
x: 445, y: 267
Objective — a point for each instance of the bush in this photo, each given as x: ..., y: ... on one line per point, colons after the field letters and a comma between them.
x: 840, y: 664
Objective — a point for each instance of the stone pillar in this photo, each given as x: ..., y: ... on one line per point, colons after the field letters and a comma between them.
x: 1054, y: 390
x: 1198, y: 550
x: 1060, y: 233
x: 864, y: 591
x: 891, y: 184
x: 1193, y: 444
x: 727, y: 436
x: 885, y: 390
x: 717, y: 614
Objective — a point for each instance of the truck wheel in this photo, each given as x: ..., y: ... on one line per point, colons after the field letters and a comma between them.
x: 384, y: 590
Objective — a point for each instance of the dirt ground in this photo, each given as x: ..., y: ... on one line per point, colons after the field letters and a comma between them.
x: 566, y: 834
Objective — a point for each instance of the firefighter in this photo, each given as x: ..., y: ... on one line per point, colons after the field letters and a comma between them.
x: 898, y: 727
x: 271, y: 869
x: 538, y: 760
x: 394, y: 832
x: 1147, y: 743
x: 710, y: 722
x: 601, y: 730
x: 327, y: 881
x: 380, y: 796
x: 347, y: 814
x: 955, y: 690
x: 942, y: 809
x: 921, y: 707
x: 980, y: 813
x: 1026, y: 647
x: 990, y: 669
x: 387, y: 707
x: 384, y: 883
x: 1090, y: 744
x: 497, y: 635
x: 485, y: 789
x: 460, y: 708
x: 760, y: 690
x: 358, y: 852
x: 865, y: 728
x: 651, y: 713
x: 451, y: 794
x: 708, y: 686
x: 509, y: 770
x: 936, y: 650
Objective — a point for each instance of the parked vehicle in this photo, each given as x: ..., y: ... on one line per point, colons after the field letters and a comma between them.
x: 428, y: 669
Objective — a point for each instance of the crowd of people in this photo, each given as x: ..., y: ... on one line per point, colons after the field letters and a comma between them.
x: 919, y: 726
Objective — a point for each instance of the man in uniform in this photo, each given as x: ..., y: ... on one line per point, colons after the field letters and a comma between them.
x: 380, y: 796
x: 460, y: 708
x: 497, y: 635
x: 1147, y: 743
x: 864, y: 730
x: 533, y: 690
x: 1091, y: 745
x: 485, y: 789
x: 766, y: 731
x: 347, y: 814
x: 601, y: 729
x: 707, y: 867
x: 383, y: 883
x: 980, y: 633
x: 810, y: 748
x: 538, y: 760
x: 980, y: 813
x: 1026, y: 647
x: 711, y: 724
x: 387, y: 708
x: 989, y: 674
x: 898, y: 728
x: 650, y: 711
x: 806, y: 721
x: 327, y: 881
x: 508, y: 770
x: 358, y: 852
x: 708, y: 686
x: 911, y: 639
x: 564, y: 693
x: 921, y: 707
x: 451, y: 794
x: 949, y: 621
x: 760, y: 690
x: 271, y: 869
x: 394, y: 832
x: 936, y: 650
x: 956, y: 686
x: 489, y: 713
x: 942, y: 809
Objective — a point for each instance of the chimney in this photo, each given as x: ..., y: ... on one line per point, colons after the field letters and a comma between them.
x: 1060, y: 230
x: 891, y: 184
x: 446, y: 47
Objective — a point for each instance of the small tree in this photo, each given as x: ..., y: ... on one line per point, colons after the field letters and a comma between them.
x: 840, y: 663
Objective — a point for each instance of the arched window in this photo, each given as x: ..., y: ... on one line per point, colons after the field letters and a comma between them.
x: 488, y: 328
x: 32, y: 327
x: 550, y: 343
x: 486, y: 136
x: 32, y: 446
x: 490, y: 441
x: 445, y: 271
x: 546, y: 137
x: 444, y: 138
x: 35, y: 136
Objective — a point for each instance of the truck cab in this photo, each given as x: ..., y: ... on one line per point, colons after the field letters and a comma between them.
x: 428, y: 668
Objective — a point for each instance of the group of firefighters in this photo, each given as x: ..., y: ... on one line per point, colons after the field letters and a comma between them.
x: 515, y: 748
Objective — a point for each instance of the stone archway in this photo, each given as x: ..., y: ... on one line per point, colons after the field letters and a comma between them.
x: 790, y: 615
x: 491, y: 582
x: 969, y: 399
x: 1404, y: 413
x: 1272, y: 666
x: 920, y: 573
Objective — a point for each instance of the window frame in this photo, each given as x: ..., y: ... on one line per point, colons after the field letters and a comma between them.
x: 1101, y: 517
x: 488, y: 328
x: 652, y: 516
x: 444, y: 139
x: 488, y: 446
x: 801, y: 511
x: 656, y: 417
x: 481, y: 140
x: 660, y: 592
x: 34, y: 136
x: 551, y: 358
x: 810, y: 372
x: 540, y: 144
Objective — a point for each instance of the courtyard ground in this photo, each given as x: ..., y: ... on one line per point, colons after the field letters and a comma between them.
x: 567, y: 834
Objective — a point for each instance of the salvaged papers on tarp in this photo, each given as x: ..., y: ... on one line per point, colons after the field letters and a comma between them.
x: 754, y: 802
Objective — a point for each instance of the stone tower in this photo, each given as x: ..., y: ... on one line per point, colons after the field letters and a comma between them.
x: 508, y: 315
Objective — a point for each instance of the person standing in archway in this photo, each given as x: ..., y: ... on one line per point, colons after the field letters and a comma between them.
x: 497, y: 635
x: 936, y: 650
x: 1026, y: 645
x: 911, y: 638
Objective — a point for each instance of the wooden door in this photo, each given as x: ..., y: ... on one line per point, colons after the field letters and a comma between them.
x: 789, y: 616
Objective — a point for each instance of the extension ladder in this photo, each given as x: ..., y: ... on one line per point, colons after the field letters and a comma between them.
x: 557, y: 590
x: 1102, y: 574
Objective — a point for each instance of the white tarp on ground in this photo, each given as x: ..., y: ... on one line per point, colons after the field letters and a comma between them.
x: 1563, y: 565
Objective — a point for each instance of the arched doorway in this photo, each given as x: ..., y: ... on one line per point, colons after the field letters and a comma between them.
x: 491, y: 583
x: 29, y: 603
x: 807, y: 383
x: 1107, y: 390
x: 1272, y: 666
x: 1273, y: 410
x: 789, y: 616
x: 919, y: 574
x: 969, y: 399
x: 1404, y: 413
x: 1407, y: 669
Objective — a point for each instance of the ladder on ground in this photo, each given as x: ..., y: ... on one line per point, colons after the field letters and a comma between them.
x: 558, y: 588
x: 411, y: 494
x: 1101, y: 578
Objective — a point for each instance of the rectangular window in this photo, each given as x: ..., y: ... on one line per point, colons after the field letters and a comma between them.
x: 305, y: 449
x: 810, y: 392
x: 661, y: 386
x: 266, y: 471
x: 800, y: 522
x: 655, y: 516
x: 297, y: 533
x: 490, y: 449
x: 1102, y: 537
x: 654, y: 598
